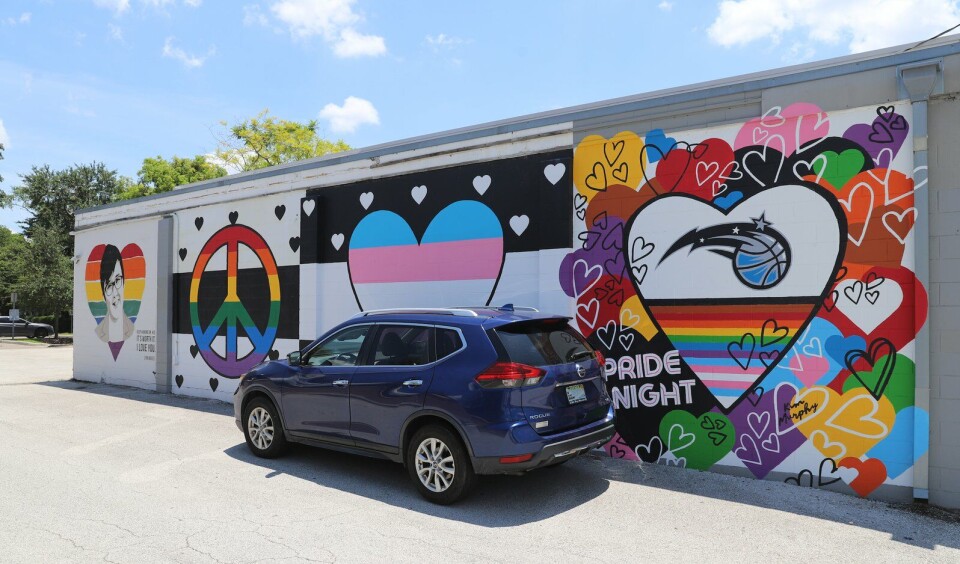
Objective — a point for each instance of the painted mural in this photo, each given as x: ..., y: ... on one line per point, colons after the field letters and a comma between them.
x: 467, y: 235
x: 114, y: 282
x: 752, y: 288
x: 236, y: 291
x: 115, y: 304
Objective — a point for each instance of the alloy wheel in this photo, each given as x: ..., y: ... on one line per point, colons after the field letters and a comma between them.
x: 435, y: 466
x: 260, y: 427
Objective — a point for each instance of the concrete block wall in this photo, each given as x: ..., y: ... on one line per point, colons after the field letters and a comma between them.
x: 944, y: 187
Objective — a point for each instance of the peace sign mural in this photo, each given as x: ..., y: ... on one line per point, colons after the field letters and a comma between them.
x: 232, y: 313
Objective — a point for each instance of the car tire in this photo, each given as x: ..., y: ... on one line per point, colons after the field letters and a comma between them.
x: 439, y: 465
x: 263, y: 429
x: 40, y: 333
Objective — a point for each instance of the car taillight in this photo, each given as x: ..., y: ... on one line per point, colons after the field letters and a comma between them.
x: 510, y: 375
x: 600, y: 360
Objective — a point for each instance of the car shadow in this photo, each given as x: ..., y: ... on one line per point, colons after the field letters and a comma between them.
x: 916, y: 524
x: 548, y: 492
x: 531, y: 497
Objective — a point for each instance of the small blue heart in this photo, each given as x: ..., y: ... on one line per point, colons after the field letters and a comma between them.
x: 838, y: 347
x: 727, y: 201
x: 658, y: 139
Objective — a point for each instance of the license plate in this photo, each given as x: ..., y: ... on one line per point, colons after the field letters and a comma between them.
x: 576, y: 394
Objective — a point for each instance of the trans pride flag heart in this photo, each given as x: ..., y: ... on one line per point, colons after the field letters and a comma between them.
x: 456, y: 262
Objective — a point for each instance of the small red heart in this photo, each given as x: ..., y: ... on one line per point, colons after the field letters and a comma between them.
x: 871, y: 473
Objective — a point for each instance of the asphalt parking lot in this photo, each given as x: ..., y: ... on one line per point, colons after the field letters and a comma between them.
x: 92, y: 472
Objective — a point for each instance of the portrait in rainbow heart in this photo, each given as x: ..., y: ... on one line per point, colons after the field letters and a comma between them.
x: 752, y: 288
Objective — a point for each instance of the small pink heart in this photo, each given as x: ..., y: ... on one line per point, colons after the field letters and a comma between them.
x: 809, y: 369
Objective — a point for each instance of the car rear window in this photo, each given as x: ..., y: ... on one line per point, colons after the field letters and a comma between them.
x: 542, y: 344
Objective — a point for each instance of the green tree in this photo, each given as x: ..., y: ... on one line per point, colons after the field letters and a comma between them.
x: 46, y: 278
x: 52, y: 196
x: 159, y: 175
x: 13, y: 248
x: 1, y: 158
x: 265, y: 141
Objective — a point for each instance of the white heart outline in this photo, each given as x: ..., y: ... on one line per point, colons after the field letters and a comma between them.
x: 821, y: 119
x: 587, y: 306
x: 869, y: 417
x: 827, y: 443
x: 693, y: 439
x: 848, y: 204
x: 810, y: 166
x: 900, y: 216
x: 743, y: 447
x: 587, y: 270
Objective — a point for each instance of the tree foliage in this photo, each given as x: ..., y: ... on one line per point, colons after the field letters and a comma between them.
x: 159, y: 175
x: 52, y: 196
x: 46, y: 275
x: 13, y: 248
x: 264, y: 141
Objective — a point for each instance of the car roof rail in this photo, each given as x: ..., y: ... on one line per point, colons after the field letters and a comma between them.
x: 463, y: 312
x: 504, y: 307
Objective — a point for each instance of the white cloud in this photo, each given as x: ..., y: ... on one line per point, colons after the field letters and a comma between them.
x: 121, y: 6
x: 118, y: 6
x: 333, y: 20
x: 4, y: 138
x: 863, y: 24
x: 354, y: 44
x: 444, y: 40
x: 188, y: 60
x: 253, y: 16
x: 115, y: 32
x: 23, y: 19
x: 352, y: 114
x: 665, y: 6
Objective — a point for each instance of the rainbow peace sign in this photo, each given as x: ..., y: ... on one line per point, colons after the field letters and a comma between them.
x: 232, y: 312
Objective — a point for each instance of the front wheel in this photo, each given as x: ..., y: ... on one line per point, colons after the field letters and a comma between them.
x: 263, y: 429
x: 439, y: 466
x: 40, y: 333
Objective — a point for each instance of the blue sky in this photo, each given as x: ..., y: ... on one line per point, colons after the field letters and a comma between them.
x: 116, y: 81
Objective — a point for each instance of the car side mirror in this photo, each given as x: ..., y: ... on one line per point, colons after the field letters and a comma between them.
x: 294, y: 358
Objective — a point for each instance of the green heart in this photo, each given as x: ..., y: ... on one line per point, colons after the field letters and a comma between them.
x: 838, y: 168
x: 702, y: 441
x: 900, y: 387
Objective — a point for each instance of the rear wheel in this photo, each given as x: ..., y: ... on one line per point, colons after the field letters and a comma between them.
x: 263, y: 429
x: 439, y: 465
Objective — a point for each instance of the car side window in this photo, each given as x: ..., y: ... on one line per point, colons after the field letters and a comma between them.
x: 448, y: 342
x: 342, y: 349
x: 4, y: 320
x: 402, y: 345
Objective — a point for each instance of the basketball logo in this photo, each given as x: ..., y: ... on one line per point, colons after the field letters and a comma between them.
x: 760, y: 255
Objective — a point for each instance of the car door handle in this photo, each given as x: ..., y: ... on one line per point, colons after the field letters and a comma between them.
x: 413, y: 383
x: 341, y: 383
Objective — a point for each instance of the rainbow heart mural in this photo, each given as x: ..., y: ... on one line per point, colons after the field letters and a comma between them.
x: 114, y: 283
x: 770, y: 259
x: 456, y: 262
x: 761, y: 273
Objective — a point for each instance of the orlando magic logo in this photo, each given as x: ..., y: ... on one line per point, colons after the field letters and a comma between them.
x: 760, y: 255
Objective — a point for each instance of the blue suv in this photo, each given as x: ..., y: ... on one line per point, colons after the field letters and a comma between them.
x: 450, y: 393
